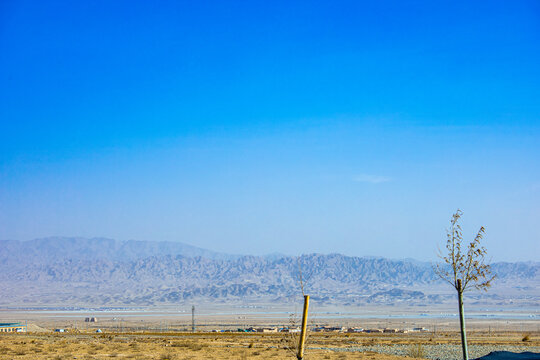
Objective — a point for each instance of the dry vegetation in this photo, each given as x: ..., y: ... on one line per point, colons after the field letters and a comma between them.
x: 177, y: 346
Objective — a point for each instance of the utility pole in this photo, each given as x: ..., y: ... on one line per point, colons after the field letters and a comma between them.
x: 193, y: 318
x: 303, y: 331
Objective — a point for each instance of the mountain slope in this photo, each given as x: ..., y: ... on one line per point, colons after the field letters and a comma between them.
x: 119, y: 273
x: 53, y: 249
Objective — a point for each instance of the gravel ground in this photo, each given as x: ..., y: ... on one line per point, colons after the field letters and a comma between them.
x: 442, y: 351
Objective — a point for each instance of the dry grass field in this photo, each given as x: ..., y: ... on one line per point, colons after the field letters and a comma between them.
x: 179, y: 346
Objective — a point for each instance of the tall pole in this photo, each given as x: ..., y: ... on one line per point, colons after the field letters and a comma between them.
x: 193, y: 318
x: 301, y: 345
x: 462, y: 321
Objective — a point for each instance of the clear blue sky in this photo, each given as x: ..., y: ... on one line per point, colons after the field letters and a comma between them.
x: 259, y: 127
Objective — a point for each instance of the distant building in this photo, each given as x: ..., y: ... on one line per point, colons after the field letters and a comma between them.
x: 375, y: 331
x: 329, y: 329
x: 266, y: 329
x: 90, y: 319
x: 289, y: 330
x: 12, y: 327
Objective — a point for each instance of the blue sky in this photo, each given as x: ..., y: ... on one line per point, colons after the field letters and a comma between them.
x: 259, y: 127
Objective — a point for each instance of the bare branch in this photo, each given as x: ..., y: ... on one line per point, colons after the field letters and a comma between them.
x: 470, y: 267
x: 300, y: 278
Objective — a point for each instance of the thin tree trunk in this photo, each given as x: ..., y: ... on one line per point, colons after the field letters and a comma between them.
x: 462, y: 321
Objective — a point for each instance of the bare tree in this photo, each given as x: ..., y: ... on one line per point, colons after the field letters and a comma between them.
x: 464, y: 269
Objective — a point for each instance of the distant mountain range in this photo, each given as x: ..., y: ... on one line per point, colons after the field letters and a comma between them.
x: 110, y: 272
x: 52, y: 249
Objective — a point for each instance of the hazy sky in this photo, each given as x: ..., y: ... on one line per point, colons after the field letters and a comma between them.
x: 259, y: 127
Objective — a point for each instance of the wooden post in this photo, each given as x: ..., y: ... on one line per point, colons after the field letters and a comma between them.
x: 462, y: 321
x: 300, y: 354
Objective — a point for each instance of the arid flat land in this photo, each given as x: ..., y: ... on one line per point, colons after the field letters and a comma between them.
x: 147, y: 345
x: 210, y: 317
x: 159, y: 334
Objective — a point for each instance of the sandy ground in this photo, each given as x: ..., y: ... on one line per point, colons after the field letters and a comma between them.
x: 162, y: 335
x: 178, y: 346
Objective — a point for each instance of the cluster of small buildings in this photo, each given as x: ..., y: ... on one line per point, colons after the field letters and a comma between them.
x: 262, y: 330
x: 335, y: 329
x: 368, y: 331
x: 12, y: 327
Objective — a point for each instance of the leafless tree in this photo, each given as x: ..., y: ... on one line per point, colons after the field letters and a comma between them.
x: 464, y: 269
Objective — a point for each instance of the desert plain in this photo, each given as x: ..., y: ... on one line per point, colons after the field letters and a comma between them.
x: 204, y: 345
x: 168, y: 336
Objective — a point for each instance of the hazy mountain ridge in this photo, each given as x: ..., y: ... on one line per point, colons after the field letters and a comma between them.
x: 105, y: 278
x: 315, y: 267
x: 52, y: 249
